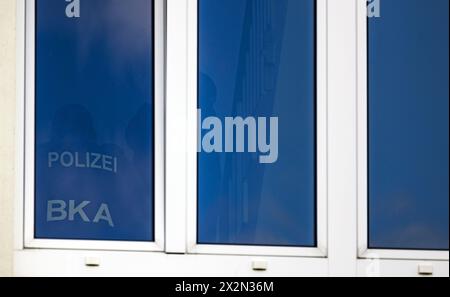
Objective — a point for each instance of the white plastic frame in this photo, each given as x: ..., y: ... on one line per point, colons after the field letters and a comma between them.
x: 29, y: 158
x: 362, y: 142
x: 321, y: 175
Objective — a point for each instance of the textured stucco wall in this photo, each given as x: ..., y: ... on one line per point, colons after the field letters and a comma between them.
x: 7, y: 127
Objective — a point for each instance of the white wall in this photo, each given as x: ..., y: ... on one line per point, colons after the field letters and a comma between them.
x: 7, y: 131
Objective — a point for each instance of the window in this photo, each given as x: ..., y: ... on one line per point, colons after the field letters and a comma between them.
x: 257, y: 81
x: 97, y: 119
x: 241, y: 128
x: 408, y: 112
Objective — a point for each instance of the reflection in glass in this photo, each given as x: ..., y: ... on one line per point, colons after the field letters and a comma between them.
x: 94, y: 120
x: 257, y: 59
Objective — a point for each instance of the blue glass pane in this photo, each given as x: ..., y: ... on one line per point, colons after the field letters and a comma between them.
x: 409, y: 125
x: 94, y: 120
x: 257, y: 60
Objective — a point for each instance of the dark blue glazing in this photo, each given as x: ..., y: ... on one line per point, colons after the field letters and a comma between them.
x: 94, y: 120
x: 408, y: 125
x: 257, y: 59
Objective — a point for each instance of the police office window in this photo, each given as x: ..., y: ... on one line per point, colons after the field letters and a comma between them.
x: 259, y: 128
x: 93, y: 124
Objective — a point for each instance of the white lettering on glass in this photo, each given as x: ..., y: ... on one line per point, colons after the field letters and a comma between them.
x: 57, y: 211
x: 73, y: 9
x: 82, y: 160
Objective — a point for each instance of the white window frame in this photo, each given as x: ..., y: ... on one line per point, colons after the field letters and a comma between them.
x: 362, y: 142
x: 321, y: 174
x: 29, y: 145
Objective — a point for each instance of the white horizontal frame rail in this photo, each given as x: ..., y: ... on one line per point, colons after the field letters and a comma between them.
x: 42, y: 262
x: 321, y: 81
x: 362, y: 142
x: 29, y: 159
